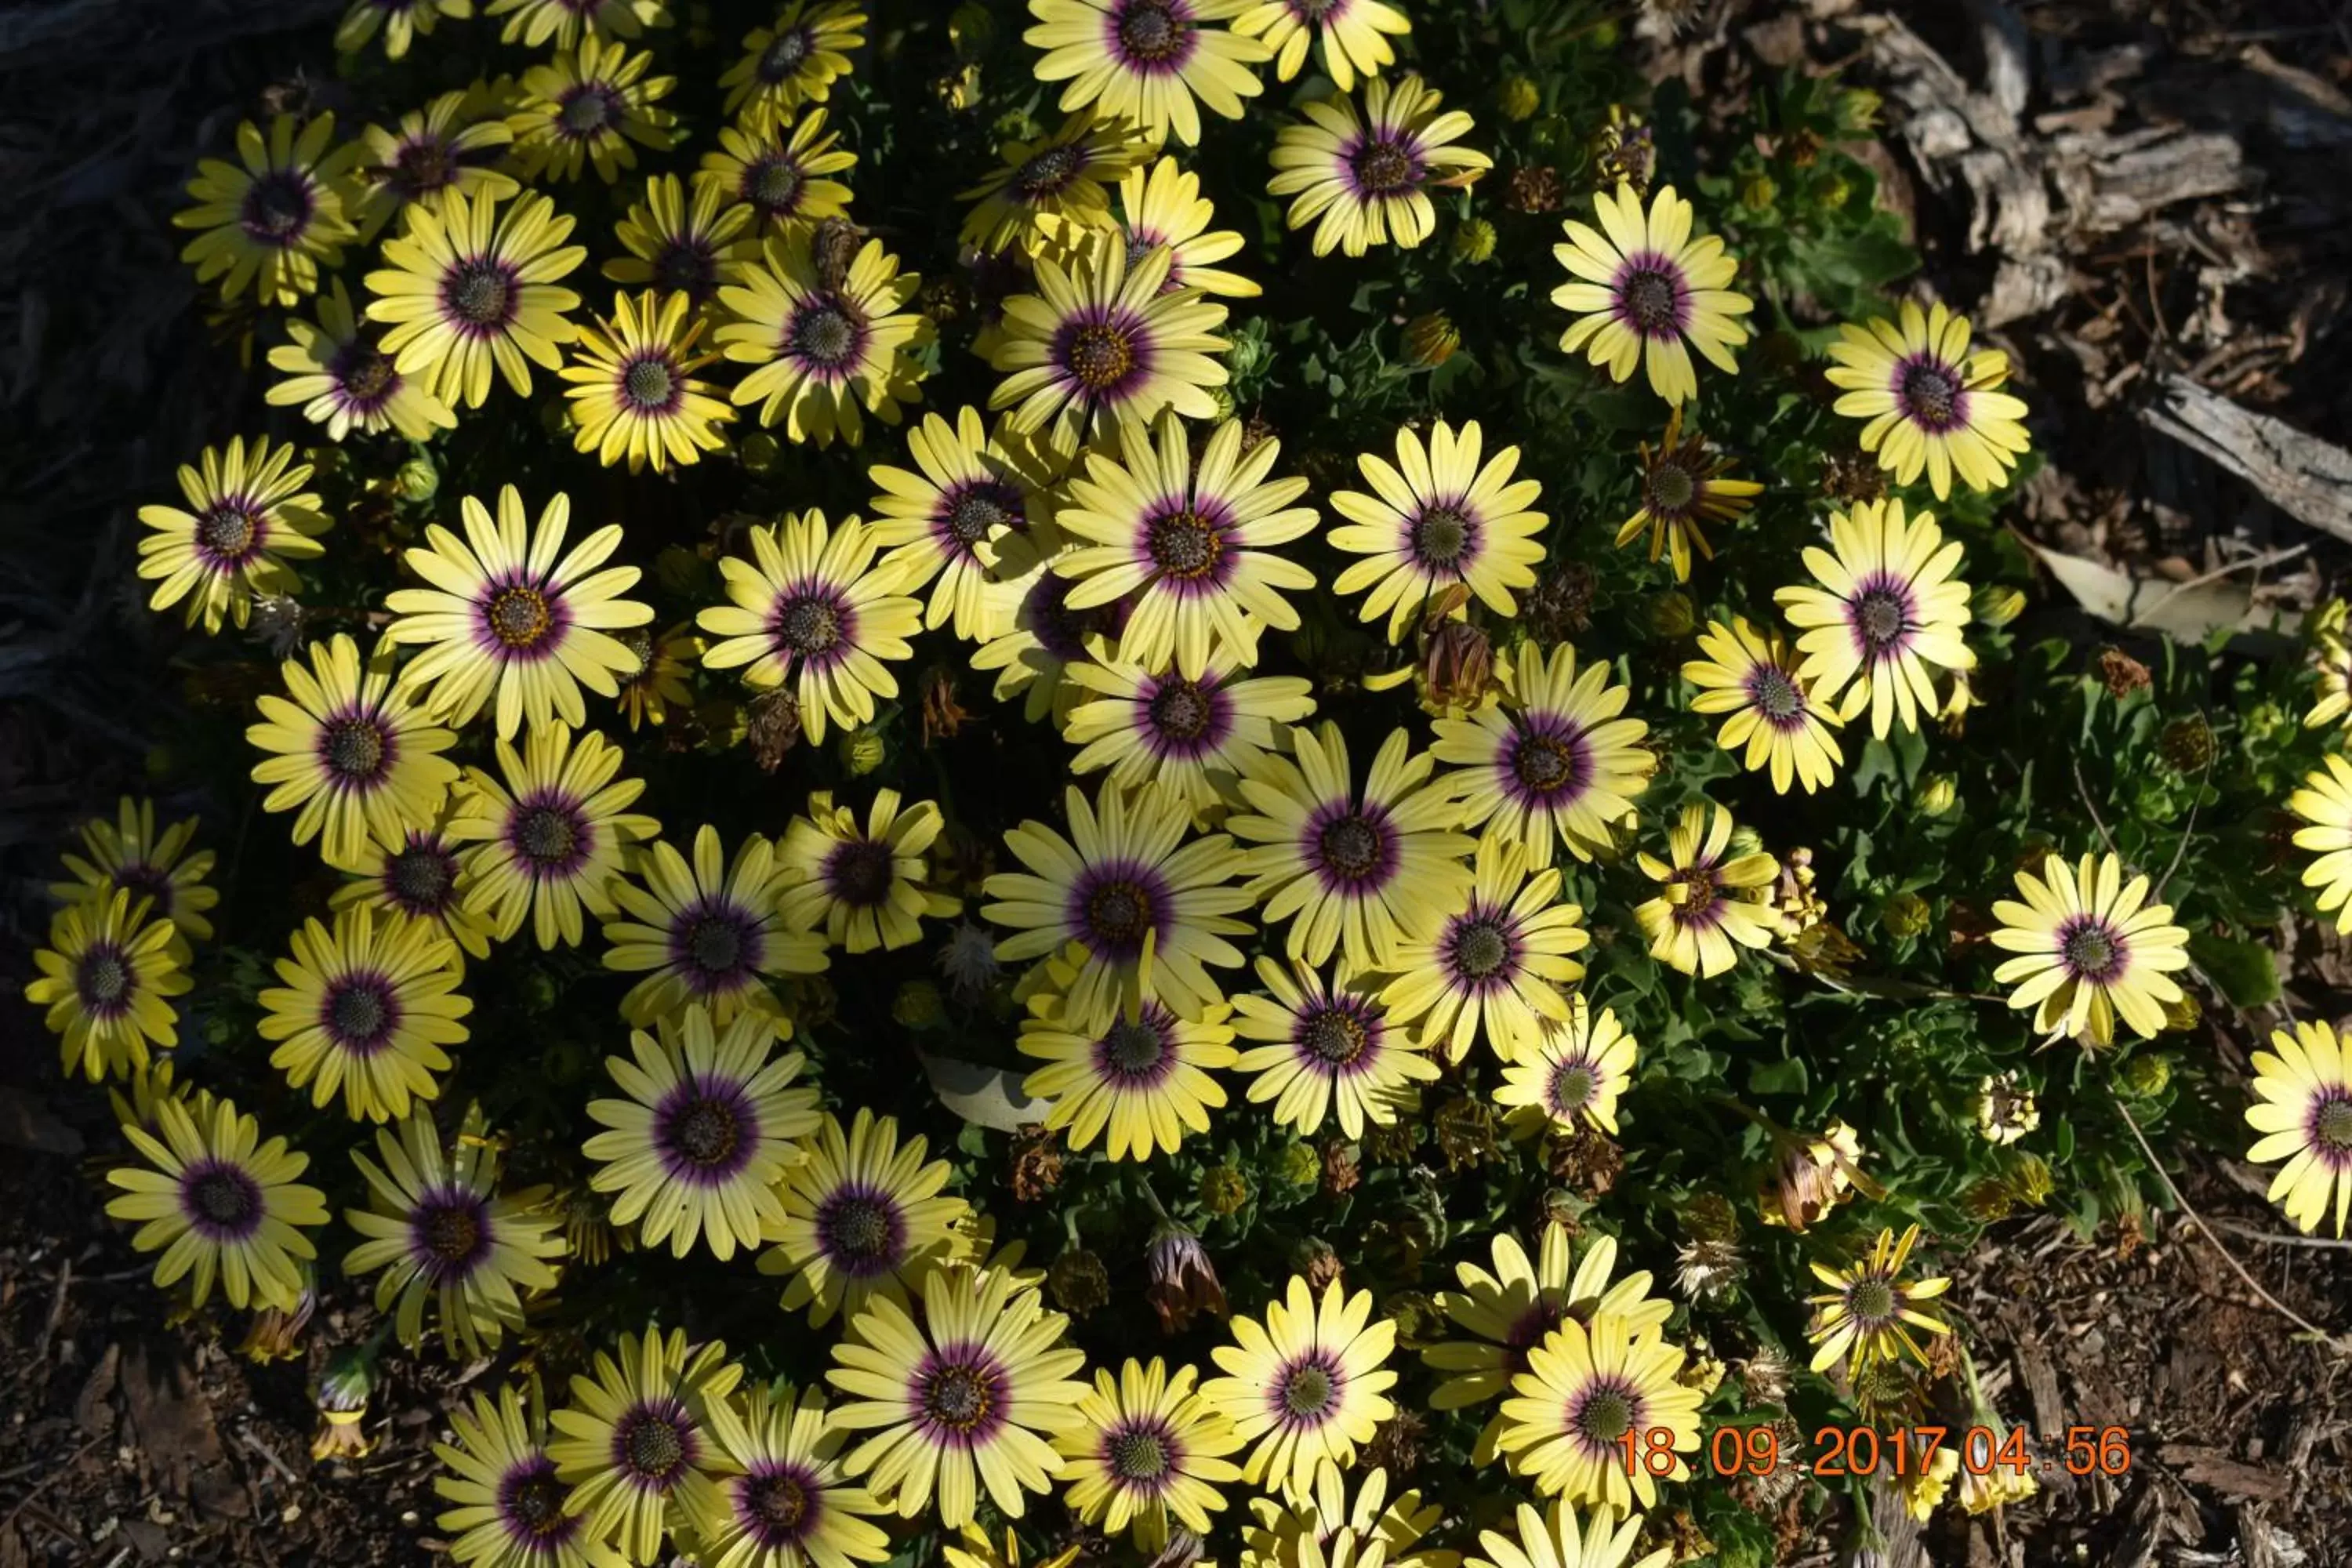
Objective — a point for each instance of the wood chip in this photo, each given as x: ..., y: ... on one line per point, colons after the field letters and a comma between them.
x: 2231, y: 1477
x: 2303, y: 476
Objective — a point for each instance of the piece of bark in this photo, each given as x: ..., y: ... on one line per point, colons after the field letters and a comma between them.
x: 2303, y: 476
x: 2233, y: 1478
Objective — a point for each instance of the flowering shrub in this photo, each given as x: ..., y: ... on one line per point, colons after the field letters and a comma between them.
x: 914, y: 678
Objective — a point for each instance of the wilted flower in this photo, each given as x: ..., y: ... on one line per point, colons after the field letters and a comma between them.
x: 341, y: 1394
x: 2120, y: 673
x: 1183, y: 1280
x: 275, y: 1333
x: 2187, y: 745
x: 1037, y: 1163
x: 774, y: 728
x: 1811, y: 1176
x: 1429, y: 340
x: 1340, y: 1172
x: 1624, y: 152
x: 967, y: 958
x: 2005, y: 1112
x: 1078, y: 1282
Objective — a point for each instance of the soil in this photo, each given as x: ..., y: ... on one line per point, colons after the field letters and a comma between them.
x: 127, y: 1439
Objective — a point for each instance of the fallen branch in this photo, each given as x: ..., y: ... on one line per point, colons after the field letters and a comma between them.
x: 2303, y: 476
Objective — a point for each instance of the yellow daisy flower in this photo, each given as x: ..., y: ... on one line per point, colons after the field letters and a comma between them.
x: 1147, y: 1449
x: 779, y: 167
x: 705, y: 931
x: 660, y: 686
x: 634, y: 395
x: 1644, y: 291
x: 677, y: 244
x: 1044, y: 644
x: 506, y: 615
x: 1147, y: 912
x: 402, y: 22
x: 1308, y: 1386
x: 1704, y: 908
x: 128, y: 854
x: 467, y: 289
x: 788, y: 1504
x: 418, y: 873
x: 1753, y: 677
x: 1585, y: 1387
x: 1192, y: 739
x: 966, y: 1397
x: 1684, y: 488
x: 2303, y: 1108
x: 1362, y: 176
x: 1193, y: 545
x: 798, y: 58
x: 2330, y: 660
x: 352, y: 753
x: 865, y: 1216
x: 2325, y: 802
x: 1554, y: 761
x: 1510, y: 1311
x: 1162, y: 208
x: 454, y: 144
x: 824, y: 348
x: 365, y: 1009
x: 1569, y: 1073
x: 438, y: 1227
x: 1491, y: 965
x: 1870, y: 1310
x: 1364, y: 871
x: 1930, y: 404
x: 1887, y: 612
x: 1154, y: 62
x: 1324, y: 1528
x: 973, y: 513
x: 1143, y: 1079
x: 1062, y: 175
x: 565, y: 23
x: 584, y: 107
x: 1103, y: 343
x: 341, y: 377
x: 549, y: 842
x: 247, y: 516
x: 220, y: 1203
x: 650, y: 1436
x: 1438, y: 522
x: 1331, y: 1050
x: 809, y: 608
x: 2091, y: 946
x: 1352, y: 36
x: 865, y: 887
x: 272, y: 219
x: 104, y: 978
x: 509, y: 1506
x: 1554, y: 1539
x: 706, y: 1134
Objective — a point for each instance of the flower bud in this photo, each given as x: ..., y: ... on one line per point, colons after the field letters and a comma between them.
x: 918, y: 1006
x: 1995, y: 605
x: 1937, y: 795
x: 1078, y: 1282
x: 1474, y: 242
x: 758, y: 452
x: 1299, y: 1166
x: 1759, y: 193
x: 417, y: 481
x: 1671, y: 615
x: 1516, y: 98
x: 1430, y: 340
x: 1223, y: 1190
x: 862, y: 751
x: 1905, y: 915
x: 2146, y: 1077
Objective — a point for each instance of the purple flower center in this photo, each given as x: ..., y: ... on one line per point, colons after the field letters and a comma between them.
x: 784, y: 54
x: 530, y: 1507
x: 1386, y: 166
x: 1048, y: 173
x: 1187, y: 718
x: 861, y: 1231
x: 1650, y: 295
x: 826, y: 333
x: 1571, y: 1086
x: 1699, y: 896
x: 221, y: 1200
x: 2092, y: 950
x: 2330, y: 1128
x: 1602, y: 1413
x: 147, y: 880
x: 420, y: 877
x: 1873, y: 1302
x: 1114, y: 907
x: 1138, y: 1052
x: 972, y: 512
x: 1101, y: 356
x: 356, y: 749
x: 812, y: 623
x: 103, y: 979
x: 1307, y: 1393
x: 1880, y: 612
x: 1336, y: 1035
x: 1313, y: 11
x: 650, y: 384
x: 230, y: 533
x: 778, y: 1503
x: 427, y: 164
x: 520, y: 616
x: 586, y: 110
x: 552, y: 836
x: 706, y: 1130
x: 1528, y: 1330
x: 277, y: 208
x: 1933, y: 394
x: 1155, y: 36
x: 1445, y: 535
x: 359, y: 1012
x: 656, y: 1443
x: 482, y: 294
x: 961, y: 1396
x: 364, y: 377
x: 772, y: 183
x: 860, y: 872
x: 1482, y: 950
x: 687, y: 264
x: 1671, y: 489
x: 1060, y: 630
x: 1188, y: 546
x: 1777, y: 696
x: 1354, y: 848
x: 716, y: 944
x: 1141, y: 1454
x: 449, y: 1234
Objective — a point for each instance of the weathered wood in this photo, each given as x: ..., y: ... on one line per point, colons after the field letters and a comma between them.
x: 2303, y: 476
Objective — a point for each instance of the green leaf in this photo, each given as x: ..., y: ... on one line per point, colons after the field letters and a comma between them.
x: 2242, y: 970
x: 1778, y: 1078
